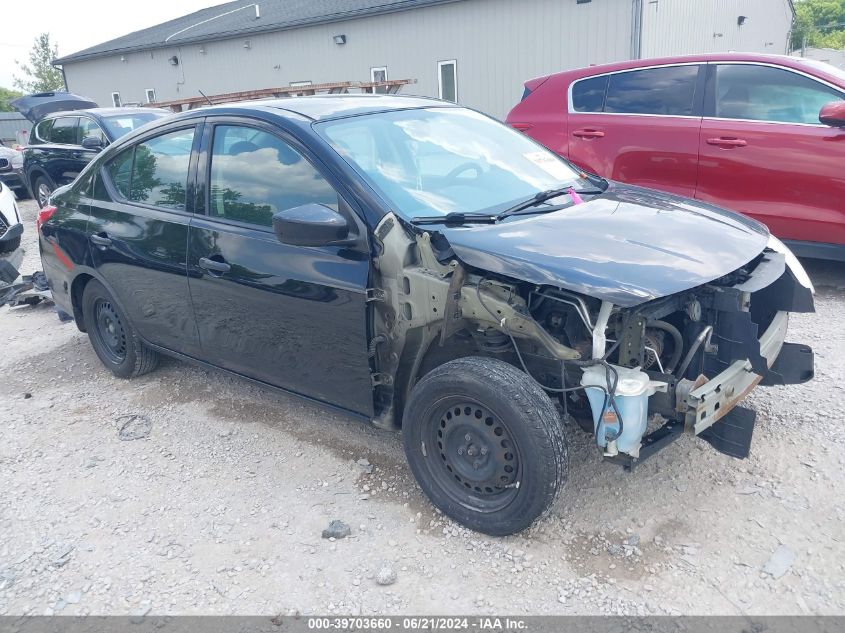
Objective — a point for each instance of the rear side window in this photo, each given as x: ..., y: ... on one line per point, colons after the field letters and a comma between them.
x: 588, y: 94
x: 763, y: 93
x: 42, y: 131
x: 65, y: 131
x: 160, y: 170
x: 254, y: 174
x: 154, y: 172
x: 120, y: 171
x: 667, y: 91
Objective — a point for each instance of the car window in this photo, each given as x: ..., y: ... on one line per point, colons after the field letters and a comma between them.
x: 588, y: 94
x: 88, y: 128
x: 763, y: 93
x: 42, y: 131
x: 254, y: 174
x: 65, y: 130
x: 160, y: 170
x: 122, y: 124
x: 667, y: 91
x: 120, y: 171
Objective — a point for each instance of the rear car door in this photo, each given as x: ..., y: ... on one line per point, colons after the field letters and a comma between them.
x: 63, y: 155
x: 290, y: 316
x: 138, y: 233
x: 639, y: 126
x: 763, y: 151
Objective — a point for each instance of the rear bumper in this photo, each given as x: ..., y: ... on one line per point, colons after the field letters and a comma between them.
x: 713, y: 400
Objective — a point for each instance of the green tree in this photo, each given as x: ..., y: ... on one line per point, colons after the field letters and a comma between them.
x: 40, y: 75
x: 819, y: 23
x: 6, y: 95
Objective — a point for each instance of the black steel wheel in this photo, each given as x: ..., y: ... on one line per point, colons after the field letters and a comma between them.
x: 112, y: 336
x: 109, y: 330
x: 485, y: 444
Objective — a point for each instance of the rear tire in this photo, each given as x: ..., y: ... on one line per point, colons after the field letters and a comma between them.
x: 42, y: 188
x: 11, y: 246
x: 112, y: 336
x: 486, y: 444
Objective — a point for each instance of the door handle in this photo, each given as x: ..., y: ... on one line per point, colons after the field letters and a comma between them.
x: 588, y: 133
x: 727, y: 142
x: 214, y: 266
x: 101, y: 240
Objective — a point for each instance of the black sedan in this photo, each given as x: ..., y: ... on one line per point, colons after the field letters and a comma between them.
x: 424, y: 267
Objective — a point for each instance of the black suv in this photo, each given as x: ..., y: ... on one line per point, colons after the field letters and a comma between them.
x: 62, y: 143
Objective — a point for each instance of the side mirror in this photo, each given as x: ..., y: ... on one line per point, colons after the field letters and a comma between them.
x: 4, y: 163
x: 92, y: 143
x: 833, y: 114
x: 311, y: 225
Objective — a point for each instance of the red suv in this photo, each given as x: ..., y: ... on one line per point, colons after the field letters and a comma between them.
x: 760, y: 134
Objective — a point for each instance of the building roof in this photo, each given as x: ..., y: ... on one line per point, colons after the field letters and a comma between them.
x: 239, y: 18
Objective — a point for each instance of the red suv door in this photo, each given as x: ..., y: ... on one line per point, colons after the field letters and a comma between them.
x: 639, y: 126
x: 764, y: 153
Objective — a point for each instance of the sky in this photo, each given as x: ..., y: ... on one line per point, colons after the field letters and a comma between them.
x: 77, y: 25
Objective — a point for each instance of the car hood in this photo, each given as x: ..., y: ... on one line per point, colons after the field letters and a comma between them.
x: 628, y: 246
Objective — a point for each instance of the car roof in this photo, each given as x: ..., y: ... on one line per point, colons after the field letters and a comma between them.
x: 103, y: 112
x: 787, y: 61
x: 325, y: 107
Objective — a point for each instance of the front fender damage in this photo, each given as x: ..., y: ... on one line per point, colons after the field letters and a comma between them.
x: 423, y: 294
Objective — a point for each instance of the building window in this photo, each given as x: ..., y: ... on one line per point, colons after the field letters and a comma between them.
x: 151, y: 95
x: 115, y: 99
x: 447, y: 80
x: 379, y: 74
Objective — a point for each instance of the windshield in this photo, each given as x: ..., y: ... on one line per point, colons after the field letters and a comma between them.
x: 441, y: 160
x: 121, y: 124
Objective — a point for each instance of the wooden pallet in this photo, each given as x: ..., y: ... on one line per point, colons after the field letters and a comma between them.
x: 391, y: 86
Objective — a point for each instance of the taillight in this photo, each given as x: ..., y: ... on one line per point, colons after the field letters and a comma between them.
x: 45, y: 214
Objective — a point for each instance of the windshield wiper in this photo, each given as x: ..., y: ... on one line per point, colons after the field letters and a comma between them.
x: 541, y: 197
x: 456, y: 217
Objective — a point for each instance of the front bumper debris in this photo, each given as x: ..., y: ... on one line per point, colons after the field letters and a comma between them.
x: 710, y: 402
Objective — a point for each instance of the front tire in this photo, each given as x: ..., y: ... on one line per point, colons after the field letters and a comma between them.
x: 112, y: 336
x: 486, y: 444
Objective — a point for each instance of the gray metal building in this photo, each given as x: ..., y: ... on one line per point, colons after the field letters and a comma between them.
x: 478, y: 52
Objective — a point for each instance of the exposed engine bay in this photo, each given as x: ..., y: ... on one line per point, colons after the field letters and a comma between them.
x: 679, y: 362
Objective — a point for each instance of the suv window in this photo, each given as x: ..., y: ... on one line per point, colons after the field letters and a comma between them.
x: 42, y: 131
x: 65, y: 131
x: 763, y: 93
x: 588, y: 94
x: 254, y: 174
x: 88, y: 128
x: 667, y: 91
x: 154, y: 172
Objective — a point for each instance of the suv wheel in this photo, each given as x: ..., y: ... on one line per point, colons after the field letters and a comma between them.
x: 43, y: 187
x: 112, y: 336
x: 486, y: 444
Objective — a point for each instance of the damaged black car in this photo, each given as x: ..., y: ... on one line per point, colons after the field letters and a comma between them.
x: 425, y: 267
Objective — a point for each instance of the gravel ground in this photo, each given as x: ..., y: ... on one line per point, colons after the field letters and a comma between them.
x: 218, y: 505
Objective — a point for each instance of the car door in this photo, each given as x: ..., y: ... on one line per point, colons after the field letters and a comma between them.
x: 763, y: 151
x: 639, y: 126
x: 290, y: 316
x: 138, y: 233
x: 63, y: 154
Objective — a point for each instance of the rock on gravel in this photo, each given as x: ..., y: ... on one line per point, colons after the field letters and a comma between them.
x: 337, y: 529
x: 386, y: 575
x: 780, y: 562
